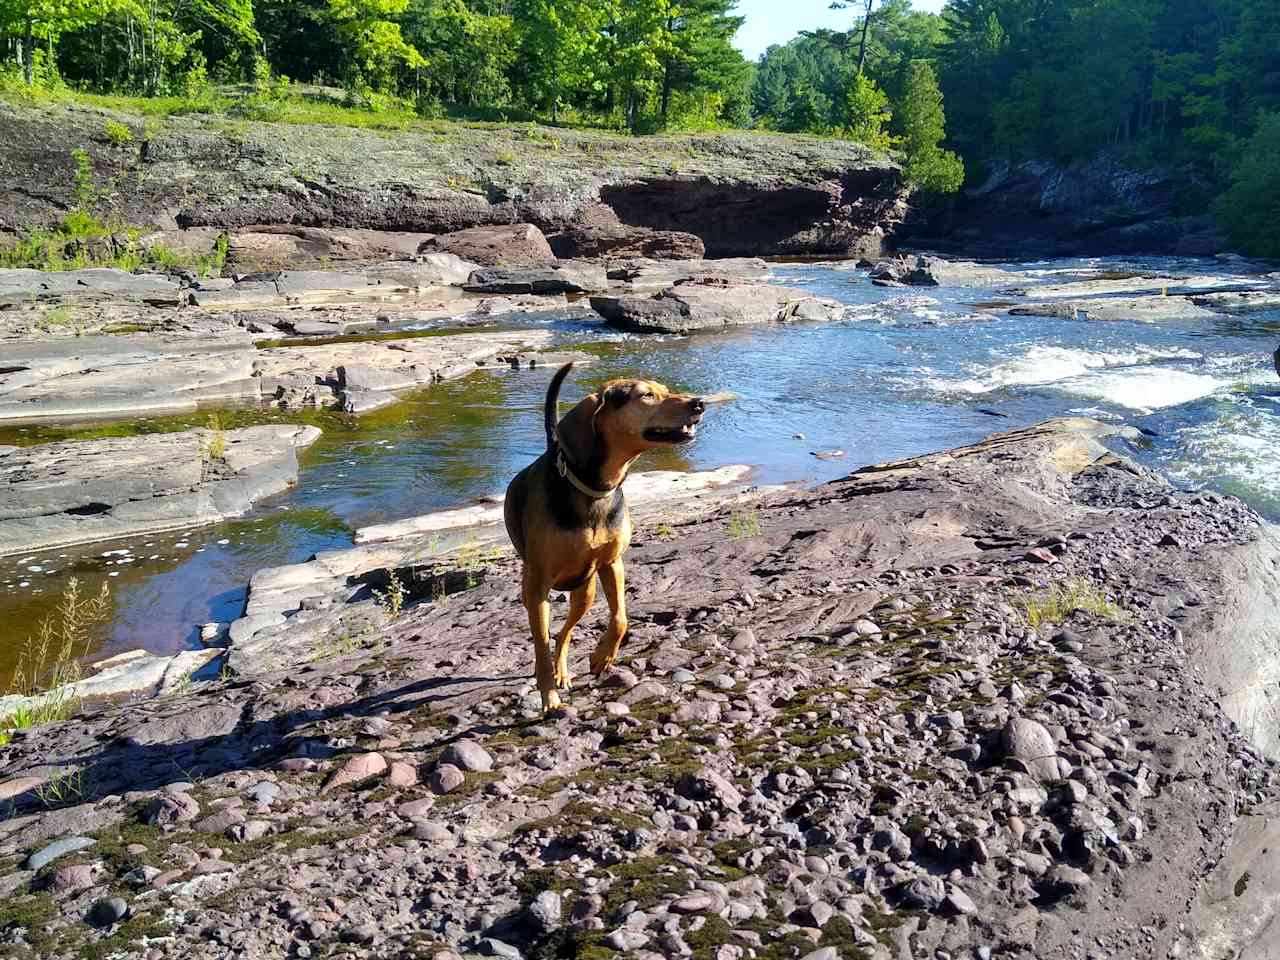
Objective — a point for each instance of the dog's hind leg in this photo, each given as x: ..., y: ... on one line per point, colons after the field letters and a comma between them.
x: 613, y: 581
x: 580, y: 601
x: 536, y: 602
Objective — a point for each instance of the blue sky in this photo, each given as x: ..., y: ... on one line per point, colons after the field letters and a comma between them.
x: 777, y: 21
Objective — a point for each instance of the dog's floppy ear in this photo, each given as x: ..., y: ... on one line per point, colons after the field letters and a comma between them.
x: 577, y: 429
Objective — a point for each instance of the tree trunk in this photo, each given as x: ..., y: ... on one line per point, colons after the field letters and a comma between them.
x: 866, y: 27
x: 666, y: 90
x: 28, y: 56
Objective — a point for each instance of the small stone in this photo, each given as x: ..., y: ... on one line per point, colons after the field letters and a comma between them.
x: 416, y: 809
x: 402, y: 774
x: 167, y: 877
x: 924, y: 893
x: 545, y: 911
x: 743, y: 640
x: 359, y: 933
x: 108, y: 911
x: 220, y: 822
x: 80, y: 876
x: 682, y: 675
x: 1026, y: 740
x: 445, y: 778
x: 615, y: 709
x: 57, y: 849
x: 960, y: 902
x: 172, y: 808
x: 1068, y: 879
x: 264, y: 792
x: 693, y: 903
x: 249, y: 831
x: 626, y: 939
x: 467, y: 755
x: 361, y: 767
x: 1039, y: 555
x: 489, y: 947
x: 822, y: 953
x: 143, y: 876
x: 866, y: 628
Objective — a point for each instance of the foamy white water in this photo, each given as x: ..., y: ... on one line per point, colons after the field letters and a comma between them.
x: 1040, y: 365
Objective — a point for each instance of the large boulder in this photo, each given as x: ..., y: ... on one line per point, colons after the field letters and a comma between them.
x: 650, y: 276
x: 503, y: 245
x: 566, y: 276
x: 711, y: 305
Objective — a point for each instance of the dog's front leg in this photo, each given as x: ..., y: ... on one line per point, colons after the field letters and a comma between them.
x: 536, y: 602
x: 613, y: 581
x: 579, y: 603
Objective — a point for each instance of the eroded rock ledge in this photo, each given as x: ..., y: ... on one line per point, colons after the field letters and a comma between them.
x: 956, y: 703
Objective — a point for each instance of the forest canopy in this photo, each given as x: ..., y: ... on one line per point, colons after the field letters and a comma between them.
x: 1189, y: 82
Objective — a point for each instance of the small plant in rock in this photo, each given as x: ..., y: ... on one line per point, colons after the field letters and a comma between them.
x: 83, y: 186
x: 664, y: 531
x: 62, y: 790
x: 49, y: 661
x: 214, y: 447
x: 117, y: 133
x: 745, y: 523
x: 1055, y: 605
x: 392, y: 599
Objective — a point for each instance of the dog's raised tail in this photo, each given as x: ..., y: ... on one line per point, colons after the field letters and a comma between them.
x: 551, y: 410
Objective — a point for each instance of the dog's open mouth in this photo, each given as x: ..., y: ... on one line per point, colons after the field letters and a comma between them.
x: 671, y: 434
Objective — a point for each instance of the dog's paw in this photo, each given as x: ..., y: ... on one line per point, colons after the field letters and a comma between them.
x: 599, y: 664
x: 551, y: 702
x: 564, y: 679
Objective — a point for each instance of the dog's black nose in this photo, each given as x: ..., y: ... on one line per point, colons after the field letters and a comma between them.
x: 697, y: 405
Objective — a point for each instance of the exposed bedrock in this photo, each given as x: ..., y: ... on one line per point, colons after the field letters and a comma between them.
x: 849, y: 721
x: 62, y: 494
x: 593, y: 194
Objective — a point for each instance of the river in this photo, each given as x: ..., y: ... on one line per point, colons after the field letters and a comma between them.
x: 906, y: 371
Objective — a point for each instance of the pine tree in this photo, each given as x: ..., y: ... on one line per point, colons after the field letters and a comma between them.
x: 923, y: 125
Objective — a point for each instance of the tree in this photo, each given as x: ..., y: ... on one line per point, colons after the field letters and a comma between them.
x: 374, y: 38
x: 1250, y: 208
x: 558, y: 40
x: 922, y: 123
x: 866, y: 113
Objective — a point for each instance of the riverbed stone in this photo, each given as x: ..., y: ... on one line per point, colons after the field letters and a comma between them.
x: 711, y: 305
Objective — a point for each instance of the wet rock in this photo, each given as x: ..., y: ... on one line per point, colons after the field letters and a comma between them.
x: 711, y: 305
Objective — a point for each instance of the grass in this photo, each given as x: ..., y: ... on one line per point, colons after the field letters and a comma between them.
x: 50, y: 660
x: 392, y: 599
x: 1055, y: 605
x: 214, y: 447
x: 743, y: 524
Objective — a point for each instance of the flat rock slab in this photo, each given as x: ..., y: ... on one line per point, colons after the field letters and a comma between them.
x: 566, y: 276
x: 712, y: 305
x: 1153, y: 309
x: 273, y: 623
x: 645, y: 275
x: 99, y: 283
x: 60, y: 494
x: 104, y: 376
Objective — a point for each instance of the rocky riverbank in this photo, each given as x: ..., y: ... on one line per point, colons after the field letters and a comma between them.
x: 593, y: 193
x: 882, y: 718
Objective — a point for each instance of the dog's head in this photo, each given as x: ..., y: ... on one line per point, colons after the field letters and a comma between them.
x: 627, y: 417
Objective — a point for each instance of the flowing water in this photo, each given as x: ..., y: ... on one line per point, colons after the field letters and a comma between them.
x: 907, y: 371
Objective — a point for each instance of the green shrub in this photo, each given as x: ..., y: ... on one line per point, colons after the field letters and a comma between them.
x: 117, y: 133
x: 1250, y: 209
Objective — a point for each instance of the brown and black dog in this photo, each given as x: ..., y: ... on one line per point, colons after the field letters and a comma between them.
x: 567, y: 517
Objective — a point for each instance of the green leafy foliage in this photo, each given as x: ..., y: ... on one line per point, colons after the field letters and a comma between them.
x: 1250, y: 209
x: 922, y: 122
